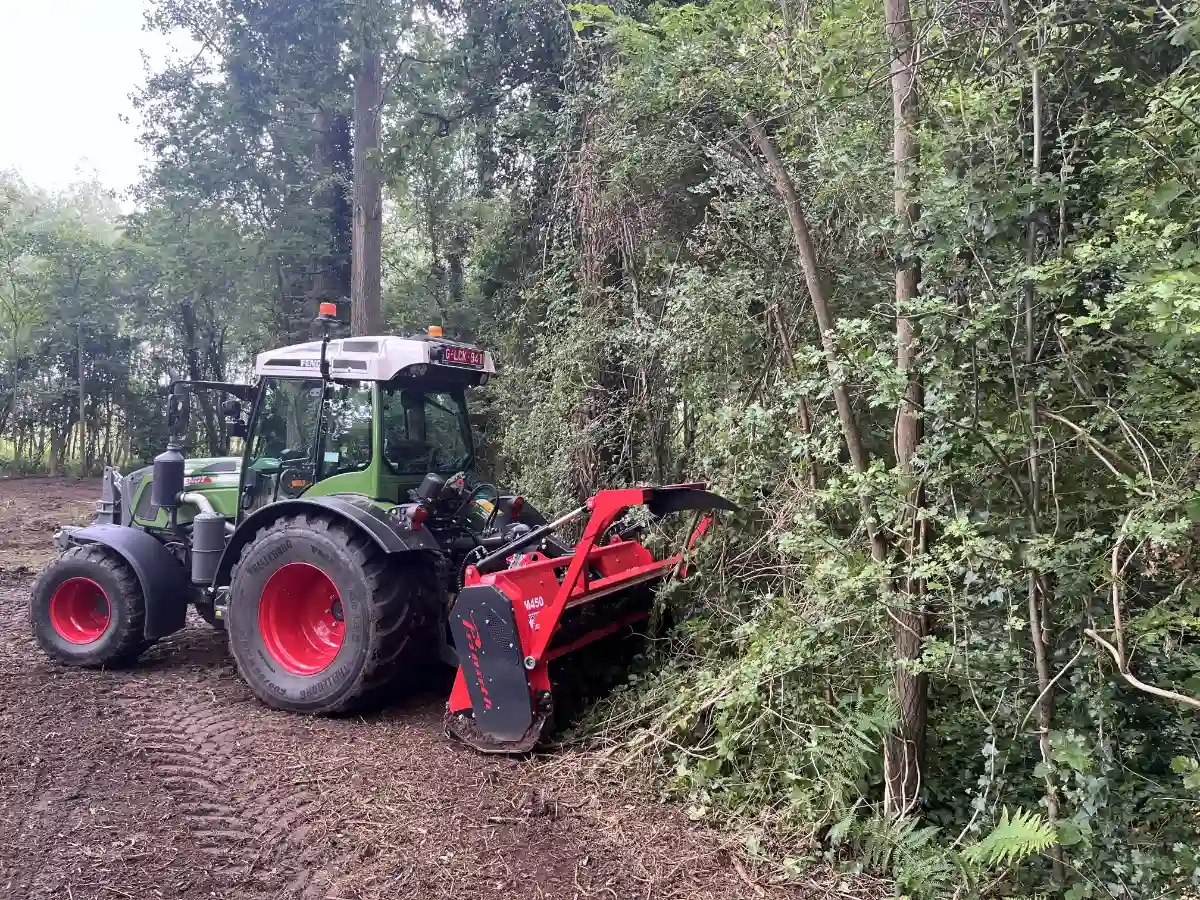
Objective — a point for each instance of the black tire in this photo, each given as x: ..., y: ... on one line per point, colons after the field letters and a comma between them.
x: 389, y: 607
x: 120, y: 639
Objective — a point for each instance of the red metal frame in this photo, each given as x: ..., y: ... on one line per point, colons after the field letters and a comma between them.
x: 540, y: 599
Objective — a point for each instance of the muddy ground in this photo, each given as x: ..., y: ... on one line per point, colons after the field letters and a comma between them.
x: 170, y: 780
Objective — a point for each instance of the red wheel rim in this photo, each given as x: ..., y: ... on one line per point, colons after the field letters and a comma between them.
x: 300, y: 618
x: 79, y: 610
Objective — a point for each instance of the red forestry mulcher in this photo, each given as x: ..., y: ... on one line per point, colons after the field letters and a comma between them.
x: 350, y: 543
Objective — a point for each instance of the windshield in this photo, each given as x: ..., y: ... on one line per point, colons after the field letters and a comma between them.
x: 288, y: 454
x: 287, y: 424
x: 425, y: 431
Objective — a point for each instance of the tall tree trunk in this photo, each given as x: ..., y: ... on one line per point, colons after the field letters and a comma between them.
x: 83, y: 463
x: 366, y: 309
x: 904, y: 748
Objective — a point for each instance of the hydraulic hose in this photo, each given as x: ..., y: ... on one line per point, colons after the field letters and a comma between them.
x: 495, y: 561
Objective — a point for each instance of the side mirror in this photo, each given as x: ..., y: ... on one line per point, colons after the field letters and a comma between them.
x: 231, y: 408
x: 237, y: 429
x: 178, y: 410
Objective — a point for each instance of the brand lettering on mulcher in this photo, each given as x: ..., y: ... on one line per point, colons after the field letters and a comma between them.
x: 534, y: 603
x: 474, y: 645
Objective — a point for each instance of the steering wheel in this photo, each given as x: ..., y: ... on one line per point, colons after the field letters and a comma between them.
x: 411, y: 455
x: 438, y: 459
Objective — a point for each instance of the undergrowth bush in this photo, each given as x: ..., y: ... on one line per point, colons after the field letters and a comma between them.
x: 1056, y: 479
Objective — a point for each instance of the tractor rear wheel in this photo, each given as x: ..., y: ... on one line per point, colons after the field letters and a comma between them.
x: 87, y: 609
x: 320, y: 619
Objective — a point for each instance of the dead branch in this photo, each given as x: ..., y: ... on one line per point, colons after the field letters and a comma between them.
x: 1118, y: 652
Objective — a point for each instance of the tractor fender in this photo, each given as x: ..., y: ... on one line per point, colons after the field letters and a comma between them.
x: 165, y: 583
x: 389, y: 535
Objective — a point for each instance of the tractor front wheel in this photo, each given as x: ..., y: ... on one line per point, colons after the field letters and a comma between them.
x: 320, y: 618
x: 87, y: 609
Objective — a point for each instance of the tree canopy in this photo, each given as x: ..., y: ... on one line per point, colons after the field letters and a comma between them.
x: 917, y: 285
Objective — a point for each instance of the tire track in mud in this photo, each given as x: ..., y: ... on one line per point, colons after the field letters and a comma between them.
x: 192, y: 750
x: 228, y: 810
x: 245, y: 818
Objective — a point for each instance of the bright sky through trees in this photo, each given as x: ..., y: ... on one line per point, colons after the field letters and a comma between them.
x: 67, y: 68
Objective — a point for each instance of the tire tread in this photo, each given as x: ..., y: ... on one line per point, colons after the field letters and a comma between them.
x: 403, y: 593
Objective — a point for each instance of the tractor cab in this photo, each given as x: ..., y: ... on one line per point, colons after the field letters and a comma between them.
x: 390, y: 411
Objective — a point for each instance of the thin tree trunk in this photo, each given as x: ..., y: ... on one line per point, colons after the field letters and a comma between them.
x: 1037, y: 588
x: 1039, y: 602
x: 904, y: 748
x: 83, y: 462
x: 366, y: 310
x: 822, y: 308
x: 810, y: 462
x: 108, y: 430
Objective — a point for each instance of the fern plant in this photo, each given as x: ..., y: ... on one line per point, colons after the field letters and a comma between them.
x: 1014, y: 838
x: 907, y: 852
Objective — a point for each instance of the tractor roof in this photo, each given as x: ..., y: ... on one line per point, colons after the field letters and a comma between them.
x: 381, y: 359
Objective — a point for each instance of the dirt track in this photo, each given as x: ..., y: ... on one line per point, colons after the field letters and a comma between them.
x: 170, y: 780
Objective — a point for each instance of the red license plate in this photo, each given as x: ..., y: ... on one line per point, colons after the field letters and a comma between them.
x: 462, y: 356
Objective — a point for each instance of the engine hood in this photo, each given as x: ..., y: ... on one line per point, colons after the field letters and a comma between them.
x: 217, y: 471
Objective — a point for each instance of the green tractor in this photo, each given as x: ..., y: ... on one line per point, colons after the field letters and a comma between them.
x: 351, y: 541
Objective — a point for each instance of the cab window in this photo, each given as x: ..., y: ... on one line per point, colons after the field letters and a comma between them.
x: 425, y: 431
x: 347, y: 445
x: 287, y: 423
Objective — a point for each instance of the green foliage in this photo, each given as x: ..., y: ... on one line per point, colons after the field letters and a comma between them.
x: 669, y: 335
x: 577, y: 189
x: 1012, y: 840
x: 907, y: 851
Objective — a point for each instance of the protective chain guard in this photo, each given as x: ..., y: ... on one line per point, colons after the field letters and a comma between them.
x: 492, y: 662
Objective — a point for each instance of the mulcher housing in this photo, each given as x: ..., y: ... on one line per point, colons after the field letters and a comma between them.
x: 511, y: 624
x: 350, y: 541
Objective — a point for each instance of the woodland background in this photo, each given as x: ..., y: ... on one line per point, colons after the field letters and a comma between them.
x: 916, y: 284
